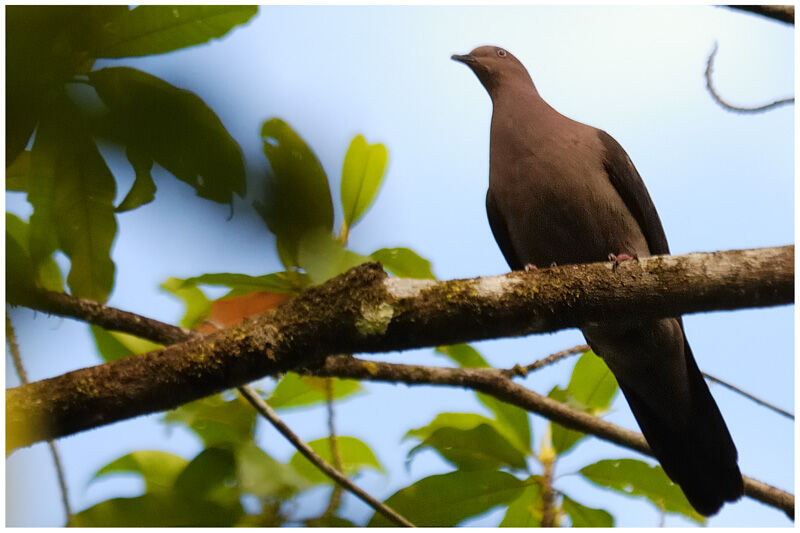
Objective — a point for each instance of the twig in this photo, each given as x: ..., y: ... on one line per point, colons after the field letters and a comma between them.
x: 738, y: 109
x: 759, y: 401
x: 16, y: 357
x: 523, y: 371
x: 336, y: 495
x: 780, y: 13
x: 267, y: 412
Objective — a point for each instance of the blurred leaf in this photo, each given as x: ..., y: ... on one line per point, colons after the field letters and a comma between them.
x: 143, y: 190
x: 263, y: 476
x: 299, y: 198
x: 289, y: 282
x: 328, y: 521
x: 211, y: 475
x: 324, y: 257
x: 113, y: 345
x: 294, y: 390
x: 158, y: 469
x: 511, y: 421
x: 197, y: 305
x: 592, y: 383
x: 216, y: 420
x: 356, y: 456
x: 526, y: 510
x: 448, y: 499
x: 464, y: 355
x: 20, y: 273
x: 478, y: 448
x: 17, y: 173
x: 462, y: 421
x: 362, y: 173
x: 174, y: 127
x: 157, y: 509
x: 637, y: 478
x: 563, y: 439
x: 404, y: 263
x: 157, y: 29
x: 582, y: 516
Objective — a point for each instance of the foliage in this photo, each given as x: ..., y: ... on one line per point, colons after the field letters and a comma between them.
x: 489, y: 455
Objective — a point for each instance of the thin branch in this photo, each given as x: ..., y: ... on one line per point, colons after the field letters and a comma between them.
x: 737, y: 109
x: 336, y: 495
x: 365, y: 311
x: 523, y: 371
x: 780, y: 13
x: 267, y: 412
x: 759, y: 401
x: 16, y: 357
x: 492, y: 381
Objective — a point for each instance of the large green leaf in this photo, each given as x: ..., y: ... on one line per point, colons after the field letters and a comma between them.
x: 197, y: 305
x: 263, y: 476
x: 355, y: 454
x: 563, y: 439
x: 478, y: 448
x: 299, y: 198
x: 157, y: 509
x: 217, y: 421
x: 210, y: 476
x: 323, y: 257
x: 295, y: 390
x: 526, y: 510
x: 362, y: 173
x: 21, y: 275
x: 464, y: 355
x: 582, y: 516
x: 448, y: 499
x: 156, y: 29
x: 113, y: 345
x: 462, y: 421
x: 511, y: 421
x: 404, y: 263
x: 289, y: 282
x: 173, y: 127
x: 637, y: 478
x: 158, y: 469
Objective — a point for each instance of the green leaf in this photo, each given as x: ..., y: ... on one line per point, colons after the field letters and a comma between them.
x: 21, y: 275
x: 478, y: 448
x: 113, y: 345
x: 355, y: 454
x: 299, y: 198
x: 362, y: 173
x: 592, y: 383
x: 174, y: 127
x: 404, y: 263
x: 157, y: 29
x: 448, y: 499
x: 511, y: 421
x: 158, y: 469
x: 157, y: 509
x: 216, y: 420
x: 462, y: 421
x: 143, y: 190
x: 324, y: 257
x: 295, y: 390
x: 211, y: 475
x: 526, y: 510
x: 563, y: 439
x: 17, y: 174
x: 582, y: 516
x: 464, y: 355
x: 637, y: 478
x: 263, y: 476
x: 197, y: 305
x: 289, y: 282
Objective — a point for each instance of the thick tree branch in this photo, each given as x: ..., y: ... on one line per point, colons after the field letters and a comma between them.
x: 781, y: 13
x: 364, y: 310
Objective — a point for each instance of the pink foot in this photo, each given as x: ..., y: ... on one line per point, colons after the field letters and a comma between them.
x: 530, y: 266
x: 621, y: 257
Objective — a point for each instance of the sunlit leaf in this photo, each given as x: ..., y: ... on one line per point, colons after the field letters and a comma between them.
x: 289, y: 282
x: 299, y: 198
x: 464, y: 355
x: 526, y: 510
x: 355, y: 454
x: 404, y: 263
x: 295, y: 390
x: 143, y: 190
x: 462, y: 421
x: 448, y: 499
x: 637, y: 478
x: 197, y: 305
x: 511, y: 421
x: 362, y: 173
x: 563, y: 439
x: 323, y: 257
x: 478, y: 448
x: 582, y: 516
x: 113, y: 345
x: 156, y: 29
x: 174, y: 127
x: 217, y: 420
x: 158, y: 469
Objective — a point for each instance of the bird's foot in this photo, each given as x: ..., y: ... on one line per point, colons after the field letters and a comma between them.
x: 530, y: 266
x: 618, y: 258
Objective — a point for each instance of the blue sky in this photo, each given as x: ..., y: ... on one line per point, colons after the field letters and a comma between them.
x: 719, y: 180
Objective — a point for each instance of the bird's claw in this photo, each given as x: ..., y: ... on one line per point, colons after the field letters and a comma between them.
x: 530, y: 266
x: 618, y: 258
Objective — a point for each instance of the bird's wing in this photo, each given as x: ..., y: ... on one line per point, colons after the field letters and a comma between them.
x: 630, y: 187
x: 500, y: 232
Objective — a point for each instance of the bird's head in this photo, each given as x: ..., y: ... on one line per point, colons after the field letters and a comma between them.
x: 494, y: 67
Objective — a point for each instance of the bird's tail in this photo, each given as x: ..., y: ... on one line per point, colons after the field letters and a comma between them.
x: 699, y: 456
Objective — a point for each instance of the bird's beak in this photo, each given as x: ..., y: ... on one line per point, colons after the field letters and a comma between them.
x: 467, y: 59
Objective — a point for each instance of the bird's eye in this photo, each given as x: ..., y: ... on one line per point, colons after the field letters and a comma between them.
x: 501, y: 52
